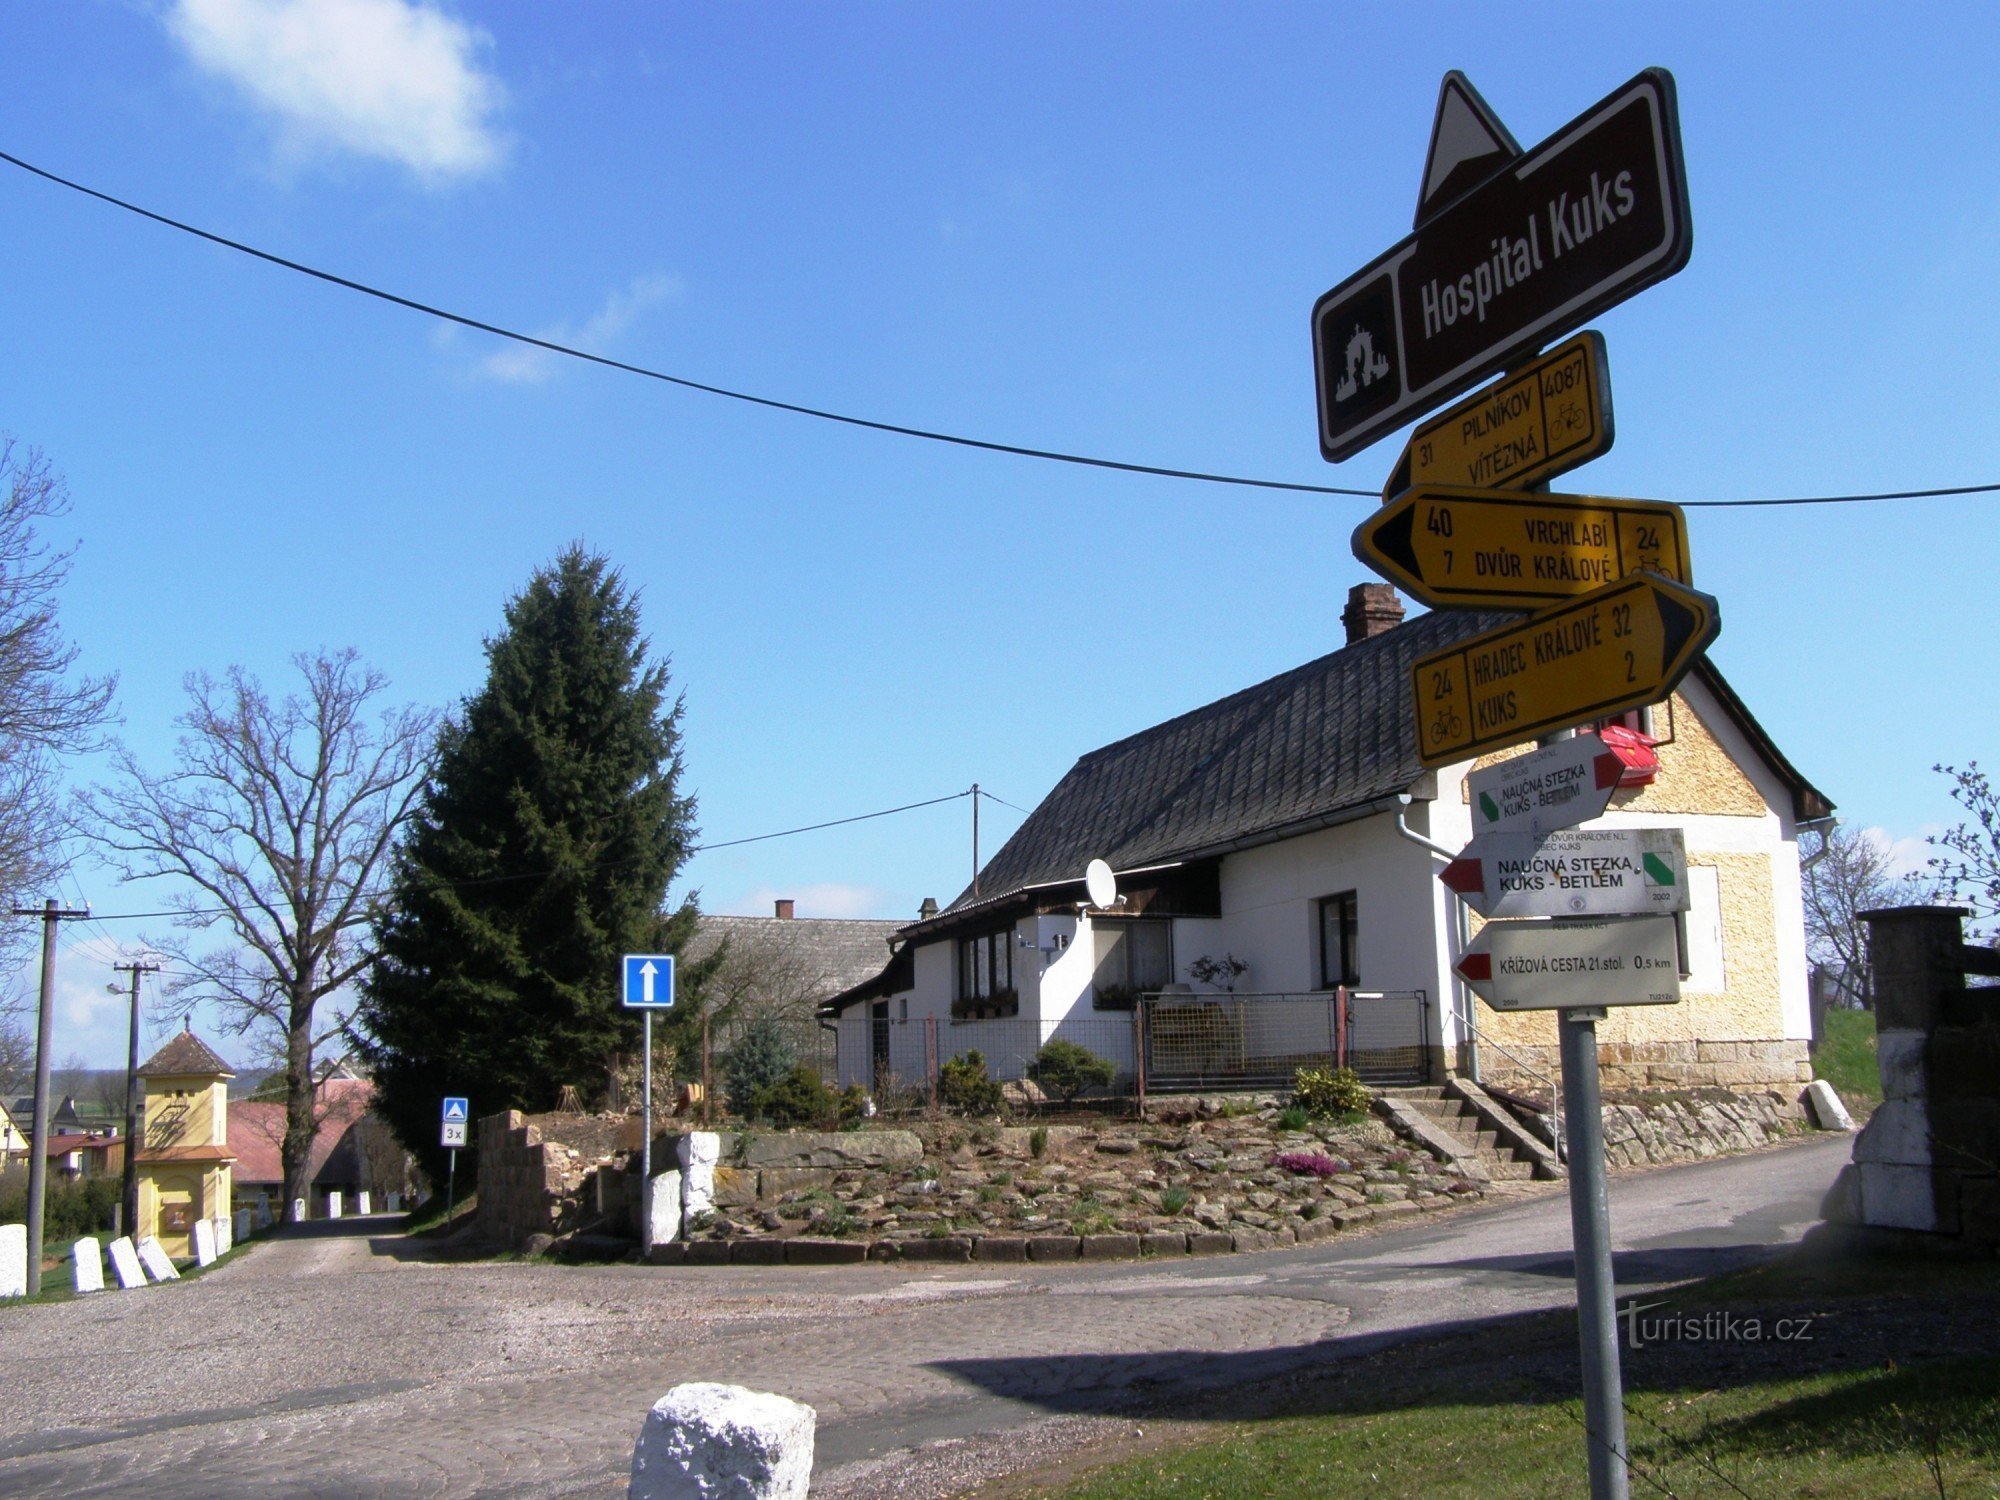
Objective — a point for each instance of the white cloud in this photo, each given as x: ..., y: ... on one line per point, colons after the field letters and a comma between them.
x: 521, y: 364
x: 396, y: 80
x: 831, y: 899
x: 1907, y: 856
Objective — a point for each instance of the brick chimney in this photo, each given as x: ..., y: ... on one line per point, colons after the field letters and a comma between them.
x: 928, y: 909
x: 784, y: 906
x: 1371, y: 609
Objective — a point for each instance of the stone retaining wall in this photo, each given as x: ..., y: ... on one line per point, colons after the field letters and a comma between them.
x: 548, y: 1175
x: 1782, y: 1068
x: 1659, y: 1129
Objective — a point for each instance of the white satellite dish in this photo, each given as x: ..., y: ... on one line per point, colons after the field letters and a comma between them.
x: 1100, y: 883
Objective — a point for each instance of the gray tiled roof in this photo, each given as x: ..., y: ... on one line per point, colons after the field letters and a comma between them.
x: 1334, y: 734
x: 840, y: 952
x: 186, y: 1055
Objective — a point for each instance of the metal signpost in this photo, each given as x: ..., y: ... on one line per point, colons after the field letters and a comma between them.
x: 1505, y: 549
x: 1600, y: 871
x: 648, y: 986
x: 1615, y: 648
x: 1511, y: 249
x: 1543, y: 419
x: 457, y: 1113
x: 1577, y: 224
x: 1559, y: 786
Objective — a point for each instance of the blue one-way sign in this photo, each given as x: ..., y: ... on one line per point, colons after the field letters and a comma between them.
x: 649, y: 981
x: 455, y: 1108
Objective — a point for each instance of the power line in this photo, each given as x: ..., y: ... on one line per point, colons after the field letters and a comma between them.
x: 896, y: 429
x: 1002, y: 801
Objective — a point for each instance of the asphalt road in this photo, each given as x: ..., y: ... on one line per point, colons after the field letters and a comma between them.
x: 334, y: 1362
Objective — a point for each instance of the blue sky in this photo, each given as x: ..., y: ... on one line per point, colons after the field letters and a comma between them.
x: 1090, y: 227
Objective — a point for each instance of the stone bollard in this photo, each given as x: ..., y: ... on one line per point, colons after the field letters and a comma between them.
x: 156, y: 1261
x: 333, y: 1205
x: 204, y: 1242
x: 225, y: 1234
x: 298, y: 1210
x: 245, y: 1226
x: 666, y: 1210
x: 361, y: 1204
x: 704, y: 1441
x: 699, y: 1151
x: 395, y: 1203
x: 87, y: 1265
x: 13, y: 1260
x: 125, y: 1264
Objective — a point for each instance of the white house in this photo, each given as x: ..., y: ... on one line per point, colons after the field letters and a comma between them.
x: 1290, y: 827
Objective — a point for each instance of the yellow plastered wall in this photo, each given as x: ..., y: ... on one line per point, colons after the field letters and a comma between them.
x: 183, y: 1112
x: 1697, y: 777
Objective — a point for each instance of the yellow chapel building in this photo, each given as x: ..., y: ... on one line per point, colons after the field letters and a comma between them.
x: 184, y: 1155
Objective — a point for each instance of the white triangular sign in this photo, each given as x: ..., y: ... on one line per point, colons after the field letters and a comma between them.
x: 1468, y: 142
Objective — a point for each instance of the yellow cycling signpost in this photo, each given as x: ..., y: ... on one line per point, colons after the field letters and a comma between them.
x: 1512, y: 248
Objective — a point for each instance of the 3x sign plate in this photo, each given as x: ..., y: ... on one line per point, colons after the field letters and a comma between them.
x: 1503, y: 549
x: 1594, y: 213
x: 1617, y: 648
x: 1538, y: 422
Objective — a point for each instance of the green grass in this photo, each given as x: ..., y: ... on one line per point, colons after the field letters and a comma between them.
x: 1845, y: 1057
x: 1870, y: 1432
x: 427, y: 1218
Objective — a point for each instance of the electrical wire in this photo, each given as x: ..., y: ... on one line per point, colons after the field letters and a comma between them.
x: 897, y: 429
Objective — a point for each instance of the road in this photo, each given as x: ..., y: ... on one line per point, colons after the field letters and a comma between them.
x: 333, y: 1361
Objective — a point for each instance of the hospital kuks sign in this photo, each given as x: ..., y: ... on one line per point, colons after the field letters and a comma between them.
x: 1552, y: 237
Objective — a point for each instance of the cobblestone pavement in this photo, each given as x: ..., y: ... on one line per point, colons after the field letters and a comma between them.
x: 332, y: 1362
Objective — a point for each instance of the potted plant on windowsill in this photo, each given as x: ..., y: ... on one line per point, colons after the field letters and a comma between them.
x: 996, y: 1006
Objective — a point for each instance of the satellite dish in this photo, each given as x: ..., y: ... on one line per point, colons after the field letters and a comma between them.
x: 1099, y: 882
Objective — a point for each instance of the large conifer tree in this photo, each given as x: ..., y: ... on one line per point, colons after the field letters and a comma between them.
x: 551, y: 829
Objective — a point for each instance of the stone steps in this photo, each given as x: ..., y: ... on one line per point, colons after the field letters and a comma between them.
x: 1462, y: 1123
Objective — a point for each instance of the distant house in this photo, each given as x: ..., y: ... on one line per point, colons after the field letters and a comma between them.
x: 1291, y: 827
x: 788, y: 966
x: 352, y: 1150
x: 91, y: 1155
x: 13, y: 1137
x: 63, y: 1116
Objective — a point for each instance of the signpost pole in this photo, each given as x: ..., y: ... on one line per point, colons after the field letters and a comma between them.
x: 451, y: 1185
x: 646, y: 1138
x: 1590, y: 1231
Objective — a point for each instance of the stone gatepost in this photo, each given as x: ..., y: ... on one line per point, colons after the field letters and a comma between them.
x: 1929, y: 1158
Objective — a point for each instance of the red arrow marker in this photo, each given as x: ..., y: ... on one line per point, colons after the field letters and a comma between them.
x: 1476, y: 966
x: 1465, y: 876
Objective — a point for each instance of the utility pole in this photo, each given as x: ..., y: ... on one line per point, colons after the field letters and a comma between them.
x: 128, y: 1195
x: 975, y: 841
x: 38, y: 1144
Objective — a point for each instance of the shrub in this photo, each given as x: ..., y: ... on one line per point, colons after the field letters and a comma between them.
x: 1330, y: 1095
x: 799, y: 1098
x: 963, y: 1085
x: 1173, y: 1200
x: 70, y: 1206
x: 1292, y: 1117
x: 759, y: 1058
x: 1038, y: 1141
x: 1066, y: 1069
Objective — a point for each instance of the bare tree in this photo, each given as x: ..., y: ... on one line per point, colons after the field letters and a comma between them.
x: 47, y: 711
x: 1967, y: 863
x: 1853, y: 872
x: 770, y: 971
x: 277, y: 818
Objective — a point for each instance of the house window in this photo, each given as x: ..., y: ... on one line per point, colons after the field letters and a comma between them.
x: 1133, y: 958
x: 986, y: 976
x: 1337, y: 963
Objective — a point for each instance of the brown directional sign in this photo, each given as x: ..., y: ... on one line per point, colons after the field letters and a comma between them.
x: 1573, y: 226
x: 1621, y: 647
x: 1526, y: 427
x: 1503, y: 549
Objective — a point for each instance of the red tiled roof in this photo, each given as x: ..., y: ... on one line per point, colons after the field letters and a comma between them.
x: 257, y: 1131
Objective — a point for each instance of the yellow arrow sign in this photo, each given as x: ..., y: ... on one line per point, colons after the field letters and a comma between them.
x: 1621, y: 647
x: 1501, y: 549
x: 1532, y: 425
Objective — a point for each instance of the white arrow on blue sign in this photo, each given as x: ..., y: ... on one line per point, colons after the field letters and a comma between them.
x: 455, y: 1108
x: 649, y: 981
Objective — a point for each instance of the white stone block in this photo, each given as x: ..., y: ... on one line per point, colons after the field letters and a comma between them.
x: 1897, y: 1197
x: 1899, y: 1058
x: 333, y: 1205
x: 361, y: 1204
x: 225, y: 1234
x: 13, y: 1260
x: 699, y: 1151
x: 704, y: 1441
x: 87, y: 1265
x: 298, y: 1210
x: 395, y: 1203
x: 1898, y: 1134
x: 245, y: 1225
x: 1827, y: 1111
x: 153, y: 1256
x: 125, y: 1264
x: 665, y: 1224
x: 204, y: 1242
